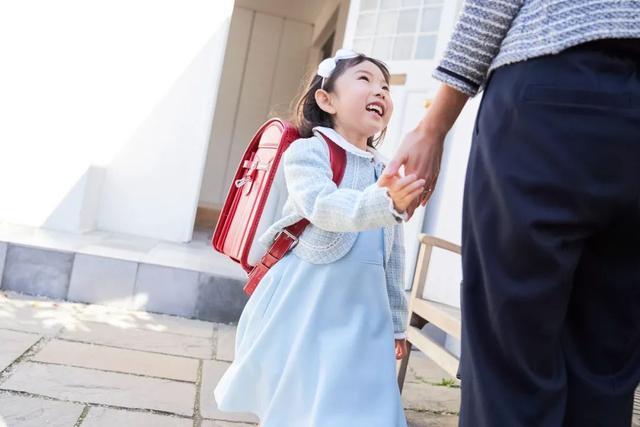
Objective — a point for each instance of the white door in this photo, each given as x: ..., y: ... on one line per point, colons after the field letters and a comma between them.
x: 410, y: 36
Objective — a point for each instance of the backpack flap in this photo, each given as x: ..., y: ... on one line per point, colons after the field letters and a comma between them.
x: 272, y: 212
x: 253, y: 202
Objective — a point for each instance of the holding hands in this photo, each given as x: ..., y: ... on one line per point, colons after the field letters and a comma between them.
x: 404, y: 191
x: 421, y: 151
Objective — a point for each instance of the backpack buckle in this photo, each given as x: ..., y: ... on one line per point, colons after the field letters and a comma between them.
x: 240, y: 182
x: 291, y: 236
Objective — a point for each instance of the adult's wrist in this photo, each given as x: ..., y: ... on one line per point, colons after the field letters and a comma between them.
x: 432, y: 130
x: 443, y: 112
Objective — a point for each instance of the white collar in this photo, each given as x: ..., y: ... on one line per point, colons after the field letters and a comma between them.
x: 342, y: 142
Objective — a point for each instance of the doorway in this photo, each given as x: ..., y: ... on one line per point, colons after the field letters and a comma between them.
x: 272, y: 46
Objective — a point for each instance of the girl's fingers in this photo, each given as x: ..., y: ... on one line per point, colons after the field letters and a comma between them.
x: 385, y: 180
x: 417, y: 186
x: 410, y: 190
x: 408, y: 194
x: 411, y: 197
x: 401, y: 184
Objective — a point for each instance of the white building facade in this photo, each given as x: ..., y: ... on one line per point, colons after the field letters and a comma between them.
x: 128, y: 117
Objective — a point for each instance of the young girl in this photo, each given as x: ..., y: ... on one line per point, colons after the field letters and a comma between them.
x: 315, y: 342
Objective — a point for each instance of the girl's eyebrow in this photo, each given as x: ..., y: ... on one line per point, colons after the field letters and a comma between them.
x: 370, y: 74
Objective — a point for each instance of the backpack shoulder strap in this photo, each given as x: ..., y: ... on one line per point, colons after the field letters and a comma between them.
x: 337, y: 158
x: 288, y: 237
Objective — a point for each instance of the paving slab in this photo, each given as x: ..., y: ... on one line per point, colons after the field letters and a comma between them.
x: 211, y: 373
x: 44, y: 317
x: 24, y: 411
x: 41, y: 314
x: 225, y: 342
x: 118, y: 360
x: 14, y: 344
x: 424, y: 390
x: 145, y: 361
x: 424, y: 397
x: 139, y: 339
x: 147, y: 321
x: 218, y: 423
x: 107, y: 417
x: 107, y: 388
x: 17, y: 299
x: 422, y: 369
x: 425, y: 419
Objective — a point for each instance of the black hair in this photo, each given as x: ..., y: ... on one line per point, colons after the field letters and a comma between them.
x: 308, y: 113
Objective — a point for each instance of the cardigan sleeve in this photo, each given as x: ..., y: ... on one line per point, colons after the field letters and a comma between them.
x: 309, y: 181
x: 475, y: 42
x: 394, y: 272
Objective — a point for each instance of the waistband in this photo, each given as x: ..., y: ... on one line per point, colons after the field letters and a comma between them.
x: 628, y: 48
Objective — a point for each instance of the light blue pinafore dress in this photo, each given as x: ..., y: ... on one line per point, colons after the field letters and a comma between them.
x: 315, y: 347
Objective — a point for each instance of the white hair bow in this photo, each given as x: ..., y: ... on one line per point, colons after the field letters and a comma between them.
x: 326, y: 67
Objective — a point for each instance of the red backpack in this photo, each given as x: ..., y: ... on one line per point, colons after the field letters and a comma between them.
x: 255, y: 201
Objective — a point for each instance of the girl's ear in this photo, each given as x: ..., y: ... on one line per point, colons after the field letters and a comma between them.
x: 324, y: 101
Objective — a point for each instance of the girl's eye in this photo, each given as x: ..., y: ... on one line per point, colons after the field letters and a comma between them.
x: 385, y: 88
x: 365, y: 78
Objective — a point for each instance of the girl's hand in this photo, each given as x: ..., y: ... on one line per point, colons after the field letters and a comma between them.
x: 421, y: 154
x: 403, y: 190
x: 401, y: 349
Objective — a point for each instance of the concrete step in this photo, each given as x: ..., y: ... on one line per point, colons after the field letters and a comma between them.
x: 188, y: 280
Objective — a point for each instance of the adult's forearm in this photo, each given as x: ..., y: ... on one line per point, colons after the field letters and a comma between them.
x: 443, y: 111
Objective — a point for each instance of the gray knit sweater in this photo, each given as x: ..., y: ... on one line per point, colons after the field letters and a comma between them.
x: 492, y: 33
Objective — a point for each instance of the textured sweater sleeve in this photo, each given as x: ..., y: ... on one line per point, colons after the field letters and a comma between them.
x: 475, y: 42
x: 394, y: 271
x: 309, y: 181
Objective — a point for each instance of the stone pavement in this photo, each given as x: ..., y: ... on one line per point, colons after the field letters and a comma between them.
x: 65, y: 364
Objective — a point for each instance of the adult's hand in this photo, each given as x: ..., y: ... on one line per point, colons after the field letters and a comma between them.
x: 421, y: 155
x: 421, y: 149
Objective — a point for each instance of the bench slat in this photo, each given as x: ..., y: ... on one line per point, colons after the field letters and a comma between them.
x: 443, y: 316
x: 436, y: 353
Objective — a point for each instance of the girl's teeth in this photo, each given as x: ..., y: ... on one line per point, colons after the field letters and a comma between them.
x: 375, y: 108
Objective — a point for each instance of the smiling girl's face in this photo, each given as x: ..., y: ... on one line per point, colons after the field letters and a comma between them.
x: 359, y: 102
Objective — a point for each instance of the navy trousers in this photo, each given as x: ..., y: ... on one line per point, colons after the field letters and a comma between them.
x: 551, y: 244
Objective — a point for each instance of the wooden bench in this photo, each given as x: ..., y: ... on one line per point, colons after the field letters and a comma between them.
x: 423, y: 311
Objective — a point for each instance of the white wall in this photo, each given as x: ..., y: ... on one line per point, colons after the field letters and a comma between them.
x: 264, y: 68
x: 106, y: 112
